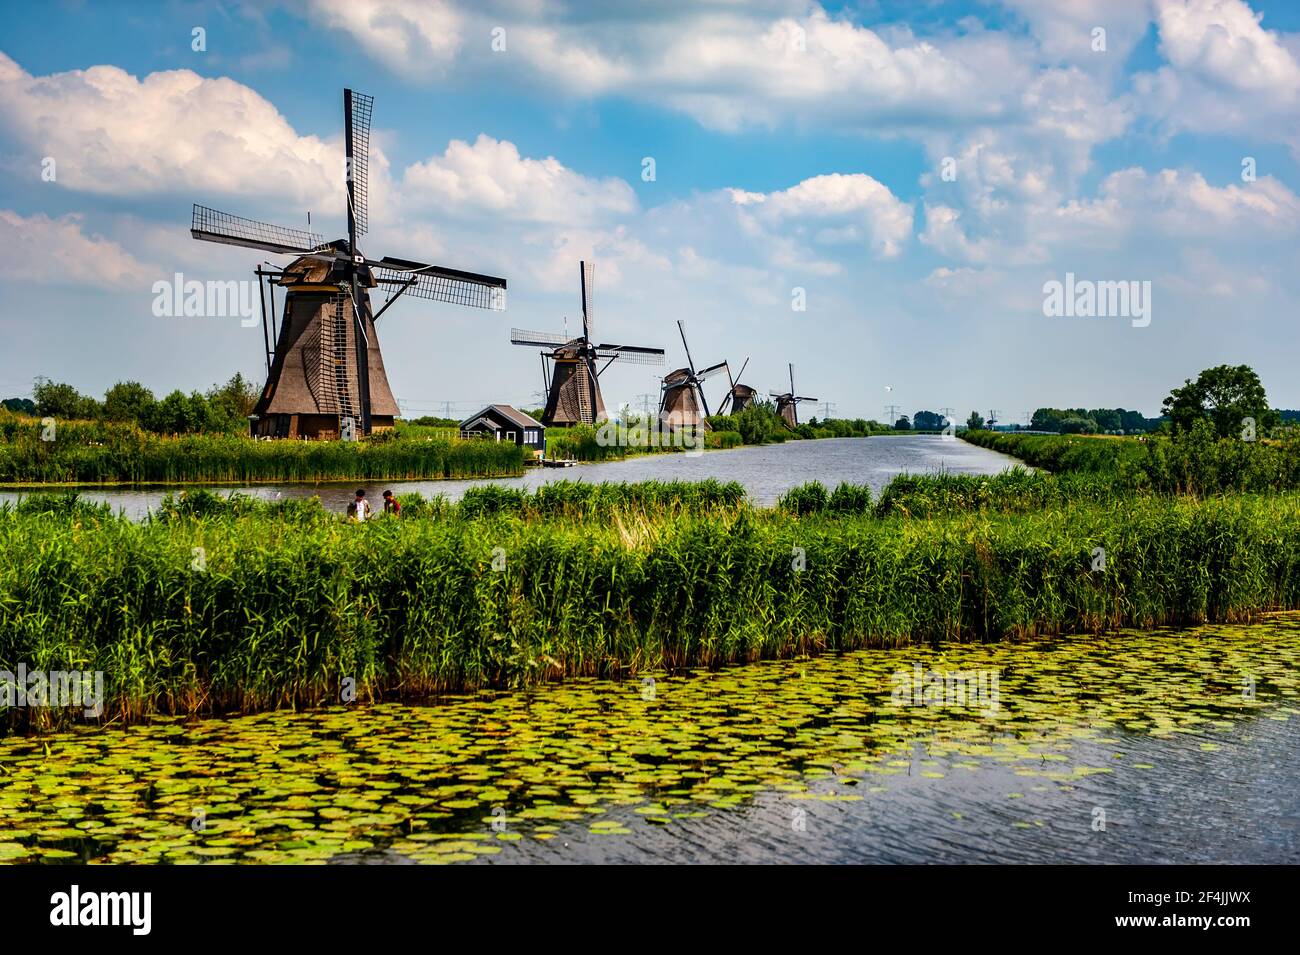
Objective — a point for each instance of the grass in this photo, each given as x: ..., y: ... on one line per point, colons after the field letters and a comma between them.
x: 1195, y: 462
x: 287, y: 605
x: 100, y: 453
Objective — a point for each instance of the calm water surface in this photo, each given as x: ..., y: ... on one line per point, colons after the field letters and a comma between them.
x: 1157, y: 746
x: 767, y: 472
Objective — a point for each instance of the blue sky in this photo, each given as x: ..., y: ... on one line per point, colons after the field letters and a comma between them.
x: 797, y: 147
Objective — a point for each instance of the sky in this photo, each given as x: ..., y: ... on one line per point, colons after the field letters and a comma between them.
x: 878, y: 193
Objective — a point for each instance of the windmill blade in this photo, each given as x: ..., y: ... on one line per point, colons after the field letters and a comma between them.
x: 636, y: 354
x: 356, y: 125
x: 587, y: 275
x: 710, y: 371
x: 779, y: 394
x: 791, y: 378
x: 804, y: 398
x: 442, y: 284
x: 681, y: 329
x: 210, y: 225
x: 735, y: 381
x: 630, y: 357
x: 522, y: 336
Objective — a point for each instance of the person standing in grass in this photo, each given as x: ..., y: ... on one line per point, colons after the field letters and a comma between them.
x: 391, y: 505
x: 359, y: 509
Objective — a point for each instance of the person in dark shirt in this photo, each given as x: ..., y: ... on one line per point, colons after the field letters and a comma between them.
x: 391, y: 505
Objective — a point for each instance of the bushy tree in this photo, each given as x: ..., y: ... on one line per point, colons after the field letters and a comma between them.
x: 976, y: 421
x: 58, y: 400
x: 129, y: 401
x: 1225, y: 395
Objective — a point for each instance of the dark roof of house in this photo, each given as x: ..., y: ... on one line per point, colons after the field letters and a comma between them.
x: 512, y: 415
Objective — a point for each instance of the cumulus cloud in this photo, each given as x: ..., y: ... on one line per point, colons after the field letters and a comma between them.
x: 113, y: 134
x: 1226, y: 73
x: 491, y: 176
x: 417, y: 39
x: 60, y: 252
x: 836, y: 208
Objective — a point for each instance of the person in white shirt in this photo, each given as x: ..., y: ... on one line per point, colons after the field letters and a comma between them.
x: 359, y: 509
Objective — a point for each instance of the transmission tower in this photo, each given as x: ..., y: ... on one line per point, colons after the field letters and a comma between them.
x: 827, y: 408
x: 891, y: 414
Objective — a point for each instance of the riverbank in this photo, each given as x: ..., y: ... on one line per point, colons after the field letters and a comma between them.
x: 106, y: 454
x: 254, y: 611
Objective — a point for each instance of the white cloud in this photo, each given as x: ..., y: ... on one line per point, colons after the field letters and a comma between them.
x: 1227, y: 74
x: 491, y: 176
x: 836, y: 204
x: 1181, y: 203
x: 60, y: 252
x: 113, y: 134
x: 417, y: 39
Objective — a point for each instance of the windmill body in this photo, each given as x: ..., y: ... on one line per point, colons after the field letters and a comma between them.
x: 682, y: 403
x: 739, y: 396
x: 573, y: 382
x: 325, y: 372
x: 787, y: 403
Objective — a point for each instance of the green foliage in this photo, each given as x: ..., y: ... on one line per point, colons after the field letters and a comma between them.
x: 975, y: 422
x: 807, y: 498
x: 1190, y: 462
x: 1226, y: 396
x: 1098, y: 420
x: 105, y: 452
x: 283, y: 610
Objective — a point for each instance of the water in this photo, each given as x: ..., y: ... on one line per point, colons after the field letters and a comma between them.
x: 767, y: 471
x: 1157, y: 746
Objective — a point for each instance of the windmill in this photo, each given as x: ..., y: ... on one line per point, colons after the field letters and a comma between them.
x: 740, y: 396
x: 787, y: 403
x: 325, y: 373
x: 573, y: 381
x: 681, y: 394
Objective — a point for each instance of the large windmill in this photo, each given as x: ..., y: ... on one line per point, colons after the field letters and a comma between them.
x: 681, y: 399
x: 573, y: 380
x: 787, y: 404
x: 325, y: 374
x: 740, y: 396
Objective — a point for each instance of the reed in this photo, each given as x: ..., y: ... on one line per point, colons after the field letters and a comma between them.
x: 101, y: 452
x: 284, y: 609
x: 1192, y: 462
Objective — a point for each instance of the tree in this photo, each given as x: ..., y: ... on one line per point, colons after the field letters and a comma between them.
x: 902, y: 424
x: 1225, y: 395
x: 19, y: 405
x: 928, y: 421
x: 128, y: 401
x: 57, y: 400
x: 975, y: 422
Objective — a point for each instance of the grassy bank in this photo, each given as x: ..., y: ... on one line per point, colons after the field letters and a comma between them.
x: 101, y: 452
x: 284, y: 606
x: 1194, y: 462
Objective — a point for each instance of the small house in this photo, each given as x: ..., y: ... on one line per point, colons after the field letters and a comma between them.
x: 504, y: 423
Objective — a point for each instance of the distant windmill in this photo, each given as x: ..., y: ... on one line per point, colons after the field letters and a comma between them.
x: 740, y: 396
x: 681, y: 397
x: 325, y: 375
x: 573, y: 383
x: 787, y: 403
